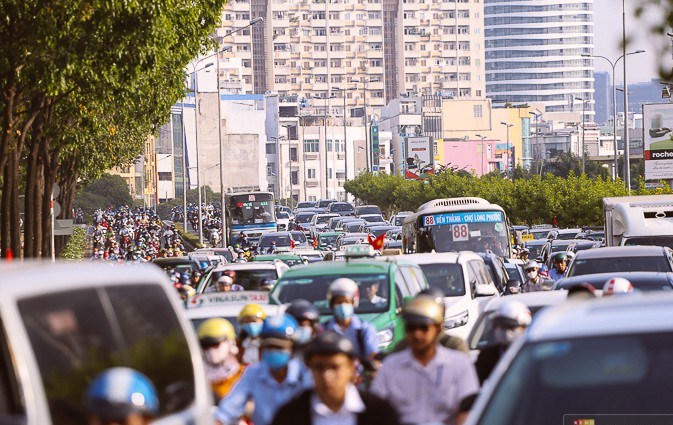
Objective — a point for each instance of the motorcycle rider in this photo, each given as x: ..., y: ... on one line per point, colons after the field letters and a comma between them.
x: 270, y: 383
x: 510, y: 321
x: 251, y: 318
x: 122, y: 396
x: 307, y: 317
x: 559, y: 266
x: 534, y: 281
x: 218, y: 343
x: 426, y: 382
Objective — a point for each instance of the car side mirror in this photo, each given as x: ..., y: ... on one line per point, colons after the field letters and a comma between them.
x: 482, y: 290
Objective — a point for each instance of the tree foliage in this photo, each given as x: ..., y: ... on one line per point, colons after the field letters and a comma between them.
x: 107, y: 191
x: 572, y: 201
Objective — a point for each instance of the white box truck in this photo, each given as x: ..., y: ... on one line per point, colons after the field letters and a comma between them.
x: 639, y: 220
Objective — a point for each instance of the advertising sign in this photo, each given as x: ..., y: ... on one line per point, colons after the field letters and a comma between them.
x: 418, y: 158
x: 658, y: 143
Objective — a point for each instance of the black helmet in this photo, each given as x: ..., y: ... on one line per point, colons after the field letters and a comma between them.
x: 328, y: 343
x: 435, y: 293
x: 302, y: 309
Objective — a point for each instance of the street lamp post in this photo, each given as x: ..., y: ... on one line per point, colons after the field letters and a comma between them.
x: 343, y: 93
x: 614, y: 99
x: 583, y: 151
x: 483, y: 152
x: 509, y: 152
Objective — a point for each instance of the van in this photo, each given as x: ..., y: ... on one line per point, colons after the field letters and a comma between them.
x: 63, y: 324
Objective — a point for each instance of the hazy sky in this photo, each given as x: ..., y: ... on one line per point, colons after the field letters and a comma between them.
x: 608, y: 35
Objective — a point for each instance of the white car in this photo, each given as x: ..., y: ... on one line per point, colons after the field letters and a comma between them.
x: 63, y: 324
x: 252, y: 275
x: 319, y: 223
x: 466, y: 284
x: 282, y: 221
x: 227, y: 305
x: 583, y: 360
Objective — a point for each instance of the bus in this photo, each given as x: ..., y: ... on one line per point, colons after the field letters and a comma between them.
x: 457, y: 224
x: 252, y: 213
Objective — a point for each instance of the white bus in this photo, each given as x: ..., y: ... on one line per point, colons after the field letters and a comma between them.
x: 639, y: 220
x: 457, y: 224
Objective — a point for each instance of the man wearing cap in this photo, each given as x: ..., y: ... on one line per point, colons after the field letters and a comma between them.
x: 534, y: 281
x: 270, y: 383
x: 426, y: 382
x: 334, y: 399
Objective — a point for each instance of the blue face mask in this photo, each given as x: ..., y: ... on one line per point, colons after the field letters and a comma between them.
x: 276, y: 359
x: 303, y: 334
x: 253, y: 329
x: 344, y: 311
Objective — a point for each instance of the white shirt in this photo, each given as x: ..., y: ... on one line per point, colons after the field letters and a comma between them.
x: 426, y: 394
x: 347, y: 415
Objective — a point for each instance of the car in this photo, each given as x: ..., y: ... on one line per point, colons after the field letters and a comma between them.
x: 341, y: 224
x: 351, y: 239
x: 290, y: 259
x: 335, y: 255
x: 299, y: 239
x: 621, y: 259
x: 224, y: 252
x: 540, y: 231
x: 304, y: 205
x: 373, y: 218
x: 496, y: 269
x: 481, y: 336
x: 378, y: 230
x: 226, y: 305
x: 641, y: 281
x: 393, y: 240
x: 65, y: 323
x: 553, y: 246
x: 515, y: 273
x: 367, y: 209
x: 341, y: 208
x: 564, y: 234
x: 319, y: 223
x: 535, y: 247
x: 327, y: 239
x: 282, y: 220
x: 582, y: 245
x: 310, y: 255
x: 324, y: 203
x: 183, y: 264
x: 302, y: 221
x: 398, y: 219
x: 252, y: 276
x: 465, y: 282
x: 584, y: 360
x: 397, y: 280
x: 353, y: 226
x: 279, y: 239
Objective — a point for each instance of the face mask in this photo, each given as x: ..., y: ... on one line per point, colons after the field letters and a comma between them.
x: 276, y: 359
x: 253, y: 329
x: 217, y: 355
x: 505, y: 336
x: 532, y: 274
x: 303, y: 334
x: 344, y: 311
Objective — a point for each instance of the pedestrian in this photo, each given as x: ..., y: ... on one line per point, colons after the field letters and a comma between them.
x: 334, y: 399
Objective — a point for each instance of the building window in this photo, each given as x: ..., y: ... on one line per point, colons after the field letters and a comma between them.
x: 311, y: 145
x: 311, y: 173
x: 269, y: 169
x: 329, y: 173
x: 312, y: 198
x: 293, y: 154
x: 270, y: 148
x: 294, y: 177
x: 330, y: 148
x: 164, y: 176
x: 477, y: 111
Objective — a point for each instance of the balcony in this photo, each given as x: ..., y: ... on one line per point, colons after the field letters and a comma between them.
x: 312, y: 182
x: 309, y: 156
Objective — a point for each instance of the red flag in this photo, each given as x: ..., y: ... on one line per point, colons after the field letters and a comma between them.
x: 9, y: 255
x: 315, y: 243
x: 291, y: 244
x: 553, y: 221
x: 378, y: 242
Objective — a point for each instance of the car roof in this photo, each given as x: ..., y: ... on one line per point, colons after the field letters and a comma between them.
x: 536, y: 242
x: 530, y: 299
x: 175, y: 260
x: 250, y: 265
x: 284, y: 233
x: 370, y: 215
x: 36, y: 277
x: 620, y: 251
x: 330, y: 268
x: 271, y: 257
x: 628, y: 314
x: 440, y: 257
x: 330, y: 234
x: 636, y: 278
x: 567, y: 230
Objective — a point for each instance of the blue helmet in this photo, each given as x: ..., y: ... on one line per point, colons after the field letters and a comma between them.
x: 119, y: 391
x: 279, y: 327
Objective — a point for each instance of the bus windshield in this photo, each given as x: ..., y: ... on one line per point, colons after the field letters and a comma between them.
x: 476, y: 231
x: 251, y: 208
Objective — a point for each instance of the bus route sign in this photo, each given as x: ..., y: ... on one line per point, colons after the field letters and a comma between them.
x: 463, y: 218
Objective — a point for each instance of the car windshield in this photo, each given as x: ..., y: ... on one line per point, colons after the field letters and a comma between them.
x: 352, y: 227
x: 582, y: 266
x: 282, y: 215
x: 369, y: 210
x: 280, y: 240
x: 374, y: 219
x: 305, y: 205
x: 304, y: 217
x: 622, y: 374
x: 539, y: 234
x: 250, y: 280
x: 650, y: 240
x: 322, y: 219
x: 512, y: 272
x: 482, y: 335
x: 399, y: 220
x: 314, y: 289
x: 567, y: 235
x: 378, y: 231
x: 298, y: 236
x: 341, y: 207
x: 351, y: 241
x: 324, y: 203
x: 446, y: 277
x: 324, y: 241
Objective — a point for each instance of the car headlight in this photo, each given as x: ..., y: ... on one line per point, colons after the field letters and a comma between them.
x: 457, y: 320
x: 385, y: 337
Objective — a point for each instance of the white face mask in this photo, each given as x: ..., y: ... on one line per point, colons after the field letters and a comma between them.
x: 532, y: 274
x: 219, y: 354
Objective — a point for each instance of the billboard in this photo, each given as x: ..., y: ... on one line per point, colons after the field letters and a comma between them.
x: 658, y: 141
x: 418, y: 158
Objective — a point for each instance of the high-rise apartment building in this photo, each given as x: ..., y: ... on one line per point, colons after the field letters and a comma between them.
x: 534, y: 53
x: 382, y: 48
x: 603, y: 96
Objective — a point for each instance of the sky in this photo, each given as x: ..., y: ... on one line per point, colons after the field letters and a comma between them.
x: 608, y: 36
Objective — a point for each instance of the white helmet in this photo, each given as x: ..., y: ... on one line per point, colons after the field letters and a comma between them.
x: 343, y: 287
x: 512, y: 313
x: 617, y: 285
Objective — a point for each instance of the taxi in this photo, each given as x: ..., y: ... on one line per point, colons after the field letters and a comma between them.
x: 390, y: 283
x: 287, y: 258
x: 62, y: 324
x: 226, y: 305
x: 252, y: 275
x: 327, y: 239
